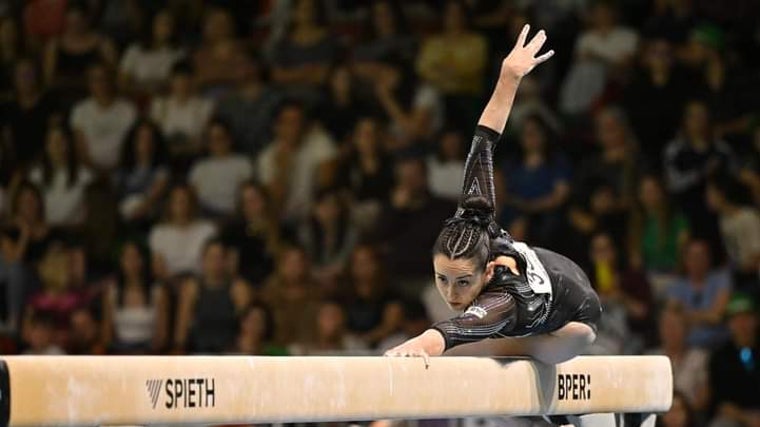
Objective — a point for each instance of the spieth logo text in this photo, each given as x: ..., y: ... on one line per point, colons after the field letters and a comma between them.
x: 573, y: 386
x: 180, y: 393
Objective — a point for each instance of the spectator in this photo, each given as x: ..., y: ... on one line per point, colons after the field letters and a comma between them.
x: 366, y: 169
x: 688, y: 160
x: 220, y: 60
x: 537, y: 183
x: 749, y: 174
x: 740, y: 229
x: 446, y: 165
x: 332, y: 337
x: 15, y: 279
x: 39, y: 337
x: 300, y: 159
x: 734, y: 374
x: 143, y: 174
x: 250, y: 110
x: 209, y: 306
x: 373, y: 312
x: 28, y: 214
x: 85, y: 337
x: 177, y: 243
x: 454, y: 61
x: 146, y: 65
x: 689, y: 363
x: 672, y: 20
x: 79, y: 47
x: 703, y: 294
x: 328, y: 235
x: 410, y: 221
x: 658, y: 230
x: 292, y: 294
x: 253, y: 238
x: 658, y: 77
x: 415, y: 322
x: 43, y: 20
x: 625, y: 295
x: 530, y: 104
x: 343, y: 107
x: 217, y: 177
x: 135, y: 310
x: 385, y: 39
x: 62, y: 179
x: 679, y: 414
x: 182, y: 114
x: 101, y: 121
x: 27, y: 115
x: 257, y: 333
x: 301, y: 60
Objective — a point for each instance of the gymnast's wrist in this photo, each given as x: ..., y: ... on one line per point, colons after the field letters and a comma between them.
x: 435, y: 342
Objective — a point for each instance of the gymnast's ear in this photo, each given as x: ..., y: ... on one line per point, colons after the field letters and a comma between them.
x: 488, y: 275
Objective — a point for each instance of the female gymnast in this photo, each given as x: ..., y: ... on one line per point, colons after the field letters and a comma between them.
x: 530, y: 301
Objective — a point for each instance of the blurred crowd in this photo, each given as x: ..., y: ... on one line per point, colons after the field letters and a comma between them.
x: 268, y: 177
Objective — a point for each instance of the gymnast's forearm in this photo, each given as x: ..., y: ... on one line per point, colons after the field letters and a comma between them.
x: 496, y: 111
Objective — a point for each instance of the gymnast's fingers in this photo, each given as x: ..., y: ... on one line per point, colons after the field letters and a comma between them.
x: 544, y: 57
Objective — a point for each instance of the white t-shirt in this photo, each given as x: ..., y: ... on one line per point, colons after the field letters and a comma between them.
x: 316, y: 149
x: 149, y: 66
x: 64, y: 203
x: 216, y: 180
x: 741, y: 235
x: 187, y: 119
x: 104, y: 128
x: 612, y: 47
x: 181, y: 247
x: 445, y: 178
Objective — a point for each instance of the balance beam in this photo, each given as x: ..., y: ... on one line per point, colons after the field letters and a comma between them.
x: 141, y: 390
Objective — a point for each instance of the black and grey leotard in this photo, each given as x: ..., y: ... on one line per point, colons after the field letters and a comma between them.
x: 550, y: 291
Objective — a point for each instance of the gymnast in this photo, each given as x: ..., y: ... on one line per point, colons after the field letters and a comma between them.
x: 515, y: 300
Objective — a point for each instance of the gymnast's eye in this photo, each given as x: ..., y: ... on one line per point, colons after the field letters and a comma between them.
x: 463, y: 283
x: 441, y: 279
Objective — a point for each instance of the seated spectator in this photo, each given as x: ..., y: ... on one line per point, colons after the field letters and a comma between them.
x: 385, y: 39
x: 679, y: 414
x: 101, y: 121
x: 217, y: 177
x: 56, y: 298
x: 43, y: 20
x: 257, y: 333
x: 249, y: 109
x: 135, y: 309
x: 343, y: 105
x: 530, y: 104
x: 749, y: 174
x: 454, y: 62
x: 220, y: 61
x: 702, y: 293
x: 332, y: 337
x: 365, y: 168
x: 26, y: 116
x: 446, y: 165
x: 373, y: 311
x: 293, y: 295
x: 182, y: 115
x: 415, y: 321
x: 143, y: 175
x: 328, y: 235
x: 146, y: 65
x: 625, y: 295
x: 673, y: 20
x: 15, y: 278
x: 254, y: 236
x: 689, y: 363
x: 740, y: 230
x: 39, y: 337
x: 734, y: 374
x: 209, y: 306
x: 28, y: 214
x: 301, y: 59
x: 688, y: 161
x: 86, y: 336
x: 597, y: 212
x: 658, y: 230
x: 410, y: 221
x: 177, y: 242
x: 659, y: 78
x: 68, y: 57
x: 299, y: 160
x: 536, y: 182
x: 62, y: 179
x: 603, y: 52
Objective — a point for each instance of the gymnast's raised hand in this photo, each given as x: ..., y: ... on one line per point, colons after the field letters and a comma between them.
x: 513, y: 299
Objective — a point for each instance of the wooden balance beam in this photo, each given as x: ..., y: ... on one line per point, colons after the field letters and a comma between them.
x: 144, y: 390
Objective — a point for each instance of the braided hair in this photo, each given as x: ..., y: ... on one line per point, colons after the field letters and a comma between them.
x: 466, y: 234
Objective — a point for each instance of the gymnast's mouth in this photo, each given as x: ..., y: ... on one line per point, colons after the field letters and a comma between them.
x: 457, y: 305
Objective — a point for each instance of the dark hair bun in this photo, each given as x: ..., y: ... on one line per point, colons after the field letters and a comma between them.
x: 478, y: 204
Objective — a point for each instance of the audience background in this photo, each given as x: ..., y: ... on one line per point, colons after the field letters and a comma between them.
x: 268, y: 177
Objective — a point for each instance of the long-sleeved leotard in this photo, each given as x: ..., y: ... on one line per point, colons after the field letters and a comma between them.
x: 549, y: 292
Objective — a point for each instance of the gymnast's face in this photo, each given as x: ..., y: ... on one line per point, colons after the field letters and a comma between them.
x: 458, y: 280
